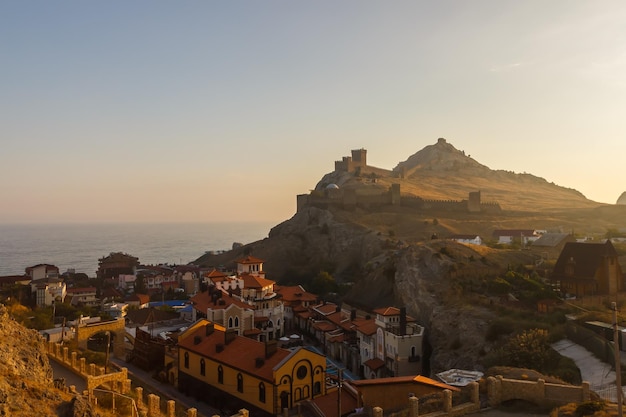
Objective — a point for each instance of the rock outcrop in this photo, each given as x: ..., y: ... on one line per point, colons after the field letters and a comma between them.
x: 26, y: 384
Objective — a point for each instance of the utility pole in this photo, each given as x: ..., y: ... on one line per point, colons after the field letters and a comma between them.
x: 106, y: 357
x: 618, y: 368
x: 340, y: 375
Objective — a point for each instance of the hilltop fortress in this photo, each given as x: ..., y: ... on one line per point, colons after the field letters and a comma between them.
x: 362, y: 188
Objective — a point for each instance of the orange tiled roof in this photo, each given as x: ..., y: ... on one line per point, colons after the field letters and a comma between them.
x: 374, y: 364
x: 328, y: 403
x: 403, y: 379
x: 250, y: 260
x: 388, y: 311
x: 251, y: 281
x: 324, y: 326
x: 240, y: 353
x: 214, y: 273
x: 367, y: 327
x: 203, y: 301
x: 326, y: 308
x: 295, y: 293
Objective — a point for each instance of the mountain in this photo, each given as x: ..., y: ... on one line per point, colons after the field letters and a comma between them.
x: 442, y: 172
x: 382, y: 249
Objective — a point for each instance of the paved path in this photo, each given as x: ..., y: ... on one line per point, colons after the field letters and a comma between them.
x: 600, y: 375
x: 167, y: 391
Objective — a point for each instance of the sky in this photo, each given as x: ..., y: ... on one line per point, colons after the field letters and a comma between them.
x: 207, y: 111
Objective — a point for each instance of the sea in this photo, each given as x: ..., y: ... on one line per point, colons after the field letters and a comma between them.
x: 79, y: 246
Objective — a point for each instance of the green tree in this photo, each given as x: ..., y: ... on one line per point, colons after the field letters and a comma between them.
x: 323, y: 283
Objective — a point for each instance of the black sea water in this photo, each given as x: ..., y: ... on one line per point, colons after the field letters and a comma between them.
x: 79, y: 246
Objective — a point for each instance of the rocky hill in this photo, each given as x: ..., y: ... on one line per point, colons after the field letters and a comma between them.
x: 387, y: 254
x: 26, y: 385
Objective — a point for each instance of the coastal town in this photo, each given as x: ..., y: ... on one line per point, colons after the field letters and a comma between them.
x: 235, y: 339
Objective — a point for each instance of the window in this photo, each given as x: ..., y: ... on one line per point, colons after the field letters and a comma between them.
x: 186, y: 359
x: 230, y: 322
x: 239, y: 382
x: 317, y: 388
x: 236, y: 321
x: 220, y: 374
x: 202, y: 367
x: 413, y: 351
x: 262, y: 392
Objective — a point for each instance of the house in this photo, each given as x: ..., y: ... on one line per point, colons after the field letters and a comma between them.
x: 116, y: 263
x: 138, y: 300
x: 509, y: 236
x: 588, y: 269
x: 231, y: 371
x: 42, y: 271
x: 226, y: 311
x: 552, y: 243
x: 394, y: 392
x: 85, y: 296
x: 468, y: 239
x: 398, y: 341
x: 294, y: 297
x: 48, y: 291
x: 126, y: 282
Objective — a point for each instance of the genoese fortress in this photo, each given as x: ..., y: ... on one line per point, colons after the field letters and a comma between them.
x: 331, y: 195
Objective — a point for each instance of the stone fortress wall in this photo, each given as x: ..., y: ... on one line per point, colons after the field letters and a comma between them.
x: 349, y: 199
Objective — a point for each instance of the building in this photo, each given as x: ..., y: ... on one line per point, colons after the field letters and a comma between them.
x: 398, y: 342
x: 115, y: 264
x: 588, y: 269
x: 226, y: 311
x: 469, y: 239
x: 521, y: 236
x: 42, y: 271
x: 48, y: 291
x: 390, y: 393
x: 227, y: 370
x: 294, y: 298
x: 85, y: 296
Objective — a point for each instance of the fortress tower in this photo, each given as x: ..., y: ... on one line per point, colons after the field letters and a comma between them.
x: 351, y: 163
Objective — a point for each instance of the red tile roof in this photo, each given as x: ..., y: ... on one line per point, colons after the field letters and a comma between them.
x: 324, y: 326
x: 294, y: 294
x: 374, y: 364
x: 367, y: 327
x: 388, y: 311
x: 251, y: 281
x: 203, y: 301
x: 404, y: 379
x: 328, y: 403
x: 241, y: 353
x: 250, y: 260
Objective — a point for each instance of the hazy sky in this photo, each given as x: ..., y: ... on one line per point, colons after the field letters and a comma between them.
x: 225, y: 111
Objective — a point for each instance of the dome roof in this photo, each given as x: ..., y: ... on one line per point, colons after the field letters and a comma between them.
x: 332, y: 187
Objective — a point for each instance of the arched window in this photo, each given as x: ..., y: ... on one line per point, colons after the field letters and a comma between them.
x: 261, y: 392
x: 317, y: 388
x: 278, y: 323
x: 202, y: 367
x: 236, y: 321
x: 239, y: 382
x: 220, y: 374
x: 306, y: 391
x: 230, y: 322
x: 186, y: 359
x: 413, y: 351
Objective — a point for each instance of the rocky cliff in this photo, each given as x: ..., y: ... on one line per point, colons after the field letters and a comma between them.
x: 26, y: 385
x: 388, y: 255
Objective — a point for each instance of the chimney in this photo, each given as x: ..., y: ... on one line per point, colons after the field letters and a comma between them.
x: 229, y: 335
x: 209, y: 329
x: 270, y: 348
x: 402, y: 321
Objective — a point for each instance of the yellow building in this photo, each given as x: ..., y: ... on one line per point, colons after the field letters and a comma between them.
x: 232, y: 372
